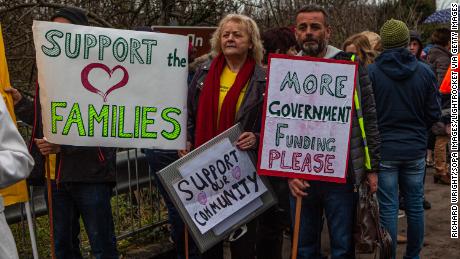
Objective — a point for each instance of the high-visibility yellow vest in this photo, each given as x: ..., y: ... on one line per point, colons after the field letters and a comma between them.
x: 359, y: 114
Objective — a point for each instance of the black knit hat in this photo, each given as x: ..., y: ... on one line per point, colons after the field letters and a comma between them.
x: 74, y: 15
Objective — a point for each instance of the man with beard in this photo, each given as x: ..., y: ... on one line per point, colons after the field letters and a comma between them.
x: 336, y: 200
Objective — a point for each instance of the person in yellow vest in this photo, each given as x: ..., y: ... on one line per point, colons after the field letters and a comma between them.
x: 15, y: 165
x: 82, y: 177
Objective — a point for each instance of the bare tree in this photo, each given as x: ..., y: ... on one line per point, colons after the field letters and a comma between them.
x: 347, y: 17
x: 17, y: 17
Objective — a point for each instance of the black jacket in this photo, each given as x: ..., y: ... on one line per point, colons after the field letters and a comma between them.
x: 356, y: 148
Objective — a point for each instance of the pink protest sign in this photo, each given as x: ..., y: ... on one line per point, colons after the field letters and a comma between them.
x: 307, y: 118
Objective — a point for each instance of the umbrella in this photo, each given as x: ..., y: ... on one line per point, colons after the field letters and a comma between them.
x: 441, y: 16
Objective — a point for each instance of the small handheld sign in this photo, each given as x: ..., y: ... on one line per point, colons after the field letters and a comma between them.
x: 216, y: 189
x: 307, y: 118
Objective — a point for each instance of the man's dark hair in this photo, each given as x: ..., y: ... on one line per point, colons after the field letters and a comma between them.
x: 314, y: 8
x: 441, y: 36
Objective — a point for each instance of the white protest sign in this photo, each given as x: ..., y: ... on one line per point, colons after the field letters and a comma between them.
x: 108, y: 87
x: 307, y: 121
x: 216, y: 184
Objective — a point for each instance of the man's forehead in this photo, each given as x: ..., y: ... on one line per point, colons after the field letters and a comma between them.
x: 310, y: 17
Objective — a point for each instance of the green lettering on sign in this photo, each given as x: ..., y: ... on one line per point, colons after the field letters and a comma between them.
x: 135, y: 45
x: 113, y: 131
x: 76, y: 50
x: 54, y: 117
x: 103, y: 117
x: 175, y: 133
x: 137, y: 117
x: 120, y: 42
x: 121, y: 123
x: 146, y: 121
x: 74, y: 117
x: 54, y: 50
x: 90, y: 42
x: 290, y: 81
x: 104, y: 42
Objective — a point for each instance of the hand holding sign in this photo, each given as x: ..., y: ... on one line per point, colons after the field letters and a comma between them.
x: 46, y: 147
x: 298, y: 187
x: 247, y: 140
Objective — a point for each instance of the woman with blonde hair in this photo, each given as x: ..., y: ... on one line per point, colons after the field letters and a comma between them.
x: 224, y: 91
x: 374, y: 40
x: 360, y: 45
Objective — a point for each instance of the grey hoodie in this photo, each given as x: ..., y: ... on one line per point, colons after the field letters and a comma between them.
x: 330, y: 52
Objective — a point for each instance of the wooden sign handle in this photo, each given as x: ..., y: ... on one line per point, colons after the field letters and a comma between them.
x: 186, y: 241
x: 295, y: 239
x: 50, y: 205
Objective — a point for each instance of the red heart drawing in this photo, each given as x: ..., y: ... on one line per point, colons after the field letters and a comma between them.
x: 91, y: 88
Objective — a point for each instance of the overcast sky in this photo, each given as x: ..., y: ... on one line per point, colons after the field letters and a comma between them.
x: 443, y: 4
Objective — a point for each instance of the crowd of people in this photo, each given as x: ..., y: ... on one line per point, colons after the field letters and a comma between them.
x: 400, y: 127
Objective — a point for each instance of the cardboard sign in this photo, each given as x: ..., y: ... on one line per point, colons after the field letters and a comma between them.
x: 307, y: 118
x: 108, y: 87
x: 216, y: 190
x: 218, y: 183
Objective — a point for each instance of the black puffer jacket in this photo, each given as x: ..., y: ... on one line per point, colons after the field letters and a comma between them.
x: 73, y: 163
x: 356, y: 148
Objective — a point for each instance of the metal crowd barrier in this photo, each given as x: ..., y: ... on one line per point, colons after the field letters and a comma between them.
x: 137, y: 206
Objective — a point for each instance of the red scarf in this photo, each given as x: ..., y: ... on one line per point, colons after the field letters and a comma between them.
x: 206, y: 119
